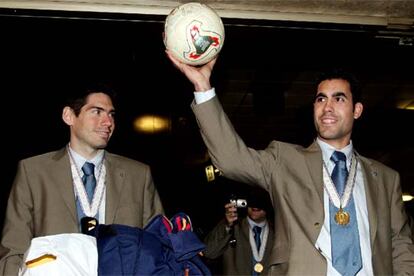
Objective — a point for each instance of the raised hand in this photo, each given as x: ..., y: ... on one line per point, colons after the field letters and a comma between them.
x: 199, y: 76
x: 230, y: 213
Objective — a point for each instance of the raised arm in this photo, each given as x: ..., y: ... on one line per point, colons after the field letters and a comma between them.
x: 227, y: 150
x: 198, y: 76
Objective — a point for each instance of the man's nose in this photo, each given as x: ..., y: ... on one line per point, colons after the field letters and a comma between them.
x: 328, y: 105
x: 107, y: 120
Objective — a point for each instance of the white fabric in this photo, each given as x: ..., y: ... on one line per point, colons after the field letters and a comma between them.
x: 201, y: 97
x: 323, y: 243
x: 76, y: 255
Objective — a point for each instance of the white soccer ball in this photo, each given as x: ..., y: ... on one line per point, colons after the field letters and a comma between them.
x: 193, y: 33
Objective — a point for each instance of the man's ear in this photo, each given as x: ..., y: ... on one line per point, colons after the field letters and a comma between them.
x: 68, y: 115
x: 358, y: 110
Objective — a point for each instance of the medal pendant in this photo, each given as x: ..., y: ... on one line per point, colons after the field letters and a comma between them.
x: 342, y: 217
x: 258, y: 267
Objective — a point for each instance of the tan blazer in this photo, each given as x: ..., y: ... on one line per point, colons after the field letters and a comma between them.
x: 293, y: 176
x: 42, y: 201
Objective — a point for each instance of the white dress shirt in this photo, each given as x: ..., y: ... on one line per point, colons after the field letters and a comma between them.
x: 97, y: 161
x: 323, y: 243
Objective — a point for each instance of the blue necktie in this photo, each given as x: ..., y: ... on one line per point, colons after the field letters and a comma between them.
x: 346, y: 252
x: 257, y: 230
x: 89, y: 179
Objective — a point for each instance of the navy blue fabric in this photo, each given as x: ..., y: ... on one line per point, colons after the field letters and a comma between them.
x: 182, y: 246
x: 124, y: 250
x: 154, y: 250
x: 257, y: 230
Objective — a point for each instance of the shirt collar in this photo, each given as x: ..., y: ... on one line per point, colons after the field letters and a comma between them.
x: 80, y: 160
x: 327, y: 151
x: 253, y: 224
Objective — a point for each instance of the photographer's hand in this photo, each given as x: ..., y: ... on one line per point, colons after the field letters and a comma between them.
x: 230, y: 214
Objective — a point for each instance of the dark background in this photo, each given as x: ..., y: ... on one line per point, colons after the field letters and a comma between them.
x: 264, y: 77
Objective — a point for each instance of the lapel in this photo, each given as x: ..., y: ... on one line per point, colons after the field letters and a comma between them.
x: 245, y: 231
x: 115, y: 177
x: 370, y: 175
x: 313, y: 157
x: 62, y: 175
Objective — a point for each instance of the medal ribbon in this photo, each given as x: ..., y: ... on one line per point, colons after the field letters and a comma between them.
x: 258, y: 255
x: 89, y: 209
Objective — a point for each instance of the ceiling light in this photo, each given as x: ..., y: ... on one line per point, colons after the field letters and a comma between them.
x: 151, y: 124
x: 406, y: 104
x: 410, y: 106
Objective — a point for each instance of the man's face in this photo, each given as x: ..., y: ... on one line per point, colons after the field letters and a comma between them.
x: 334, y: 112
x: 93, y: 127
x: 256, y: 214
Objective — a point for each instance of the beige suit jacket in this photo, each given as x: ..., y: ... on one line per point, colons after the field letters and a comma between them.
x: 42, y: 201
x: 293, y: 176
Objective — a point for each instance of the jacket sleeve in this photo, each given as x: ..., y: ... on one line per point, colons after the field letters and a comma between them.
x: 228, y: 151
x: 18, y: 224
x: 217, y: 241
x: 401, y: 236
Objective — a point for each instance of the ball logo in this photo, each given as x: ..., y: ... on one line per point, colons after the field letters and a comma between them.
x: 201, y: 42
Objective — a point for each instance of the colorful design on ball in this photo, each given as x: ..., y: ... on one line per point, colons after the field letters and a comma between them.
x: 193, y: 33
x: 201, y: 42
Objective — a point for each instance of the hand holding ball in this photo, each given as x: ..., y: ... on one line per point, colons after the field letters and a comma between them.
x: 193, y: 33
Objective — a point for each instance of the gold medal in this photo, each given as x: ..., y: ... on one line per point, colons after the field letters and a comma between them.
x: 342, y: 217
x: 258, y: 267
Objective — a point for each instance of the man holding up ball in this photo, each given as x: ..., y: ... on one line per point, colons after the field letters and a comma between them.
x: 338, y: 213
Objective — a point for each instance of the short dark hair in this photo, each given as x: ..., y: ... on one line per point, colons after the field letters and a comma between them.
x: 260, y: 198
x: 339, y: 73
x: 79, y: 94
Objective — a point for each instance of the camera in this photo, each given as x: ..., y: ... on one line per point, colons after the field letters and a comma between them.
x: 238, y: 202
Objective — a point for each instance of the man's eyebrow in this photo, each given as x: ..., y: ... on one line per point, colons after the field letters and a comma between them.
x: 112, y: 110
x: 339, y: 94
x: 336, y: 94
x: 320, y: 95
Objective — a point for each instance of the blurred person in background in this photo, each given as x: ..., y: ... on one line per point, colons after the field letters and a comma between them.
x: 241, y: 245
